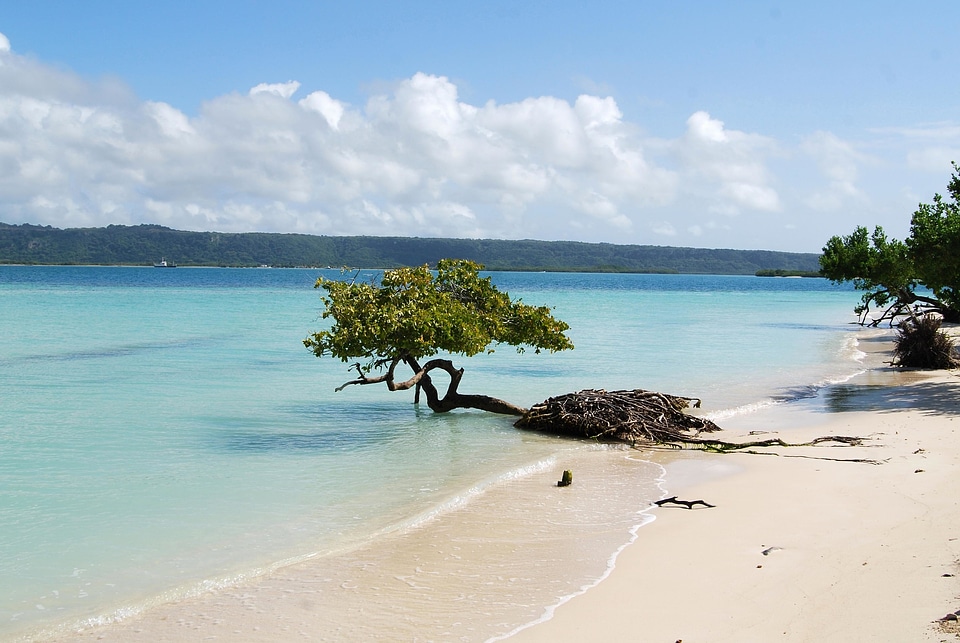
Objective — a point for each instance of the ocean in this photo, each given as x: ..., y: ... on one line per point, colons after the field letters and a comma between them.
x: 164, y: 433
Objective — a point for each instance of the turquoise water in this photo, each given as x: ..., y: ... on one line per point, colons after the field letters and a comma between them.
x: 163, y: 431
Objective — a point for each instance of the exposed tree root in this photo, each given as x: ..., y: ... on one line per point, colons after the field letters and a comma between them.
x: 720, y: 446
x: 646, y: 418
x: 636, y: 416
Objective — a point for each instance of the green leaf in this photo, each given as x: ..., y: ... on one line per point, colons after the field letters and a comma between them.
x: 416, y: 312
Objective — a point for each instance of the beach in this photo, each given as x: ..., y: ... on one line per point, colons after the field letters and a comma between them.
x: 801, y: 547
x: 818, y: 543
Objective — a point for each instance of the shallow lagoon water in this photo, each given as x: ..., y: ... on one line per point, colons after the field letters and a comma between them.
x: 165, y: 431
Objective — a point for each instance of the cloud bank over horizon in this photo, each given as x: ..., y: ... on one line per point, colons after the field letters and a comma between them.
x: 416, y: 160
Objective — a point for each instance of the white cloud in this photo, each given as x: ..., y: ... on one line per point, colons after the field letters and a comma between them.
x: 839, y: 163
x: 415, y: 159
x: 4, y: 44
x: 931, y: 147
x: 934, y: 159
x: 332, y: 110
x: 283, y: 90
x: 924, y: 131
x: 756, y: 197
x: 664, y: 228
x: 727, y: 168
x: 172, y: 122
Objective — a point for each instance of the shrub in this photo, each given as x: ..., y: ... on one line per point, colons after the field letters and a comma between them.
x: 922, y: 344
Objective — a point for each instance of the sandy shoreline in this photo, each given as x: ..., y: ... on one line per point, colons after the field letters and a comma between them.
x: 854, y: 551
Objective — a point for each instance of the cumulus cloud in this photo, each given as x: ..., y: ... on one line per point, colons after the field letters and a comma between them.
x: 729, y: 166
x: 414, y: 159
x: 839, y: 163
x: 283, y: 90
x: 320, y: 102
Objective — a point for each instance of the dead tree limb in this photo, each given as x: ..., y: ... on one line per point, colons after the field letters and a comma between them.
x: 689, y: 504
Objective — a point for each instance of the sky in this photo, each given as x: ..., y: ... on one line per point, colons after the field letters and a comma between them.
x: 754, y: 125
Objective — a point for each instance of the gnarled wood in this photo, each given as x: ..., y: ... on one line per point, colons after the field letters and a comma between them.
x: 422, y: 381
x: 689, y: 504
x: 624, y: 416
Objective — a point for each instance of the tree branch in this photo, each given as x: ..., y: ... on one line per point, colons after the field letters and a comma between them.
x: 452, y: 399
x: 363, y: 379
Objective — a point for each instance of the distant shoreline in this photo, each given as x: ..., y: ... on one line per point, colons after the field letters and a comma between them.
x: 142, y: 245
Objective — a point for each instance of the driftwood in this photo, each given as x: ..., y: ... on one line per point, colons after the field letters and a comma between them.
x: 720, y: 446
x: 689, y: 504
x: 623, y: 416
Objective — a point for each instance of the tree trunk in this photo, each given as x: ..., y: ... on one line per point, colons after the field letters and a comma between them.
x: 453, y: 399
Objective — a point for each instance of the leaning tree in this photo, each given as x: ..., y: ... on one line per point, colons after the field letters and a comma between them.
x: 413, y: 314
x: 891, y: 272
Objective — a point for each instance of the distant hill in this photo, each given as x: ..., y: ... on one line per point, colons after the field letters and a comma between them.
x: 145, y: 244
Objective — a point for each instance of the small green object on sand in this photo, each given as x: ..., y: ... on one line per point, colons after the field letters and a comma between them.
x: 566, y: 480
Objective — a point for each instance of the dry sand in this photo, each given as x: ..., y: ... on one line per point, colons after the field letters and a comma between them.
x: 802, y: 548
x: 803, y: 544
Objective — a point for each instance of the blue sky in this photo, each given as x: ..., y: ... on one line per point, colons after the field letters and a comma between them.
x: 757, y: 125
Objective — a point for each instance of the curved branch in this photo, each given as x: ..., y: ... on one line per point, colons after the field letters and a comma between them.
x: 421, y: 372
x: 363, y: 379
x: 452, y: 399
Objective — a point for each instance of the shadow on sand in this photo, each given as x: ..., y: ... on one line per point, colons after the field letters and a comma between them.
x: 931, y: 397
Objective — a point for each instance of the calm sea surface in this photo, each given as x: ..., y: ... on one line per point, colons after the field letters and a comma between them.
x: 163, y: 431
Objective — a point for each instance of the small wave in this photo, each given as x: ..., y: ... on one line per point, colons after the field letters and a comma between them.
x: 645, y: 518
x: 743, y: 409
x: 786, y: 396
x: 462, y: 499
x: 115, y: 615
x: 850, y: 350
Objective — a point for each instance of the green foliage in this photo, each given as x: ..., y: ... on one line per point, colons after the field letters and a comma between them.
x: 874, y: 264
x: 415, y: 312
x: 889, y: 271
x: 935, y: 243
x: 144, y: 244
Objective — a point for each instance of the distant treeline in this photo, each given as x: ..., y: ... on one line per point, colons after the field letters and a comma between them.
x: 146, y: 244
x: 780, y: 272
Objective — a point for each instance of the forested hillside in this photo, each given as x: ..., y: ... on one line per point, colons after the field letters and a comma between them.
x: 145, y: 244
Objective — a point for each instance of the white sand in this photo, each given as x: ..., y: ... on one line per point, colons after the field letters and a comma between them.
x: 859, y: 552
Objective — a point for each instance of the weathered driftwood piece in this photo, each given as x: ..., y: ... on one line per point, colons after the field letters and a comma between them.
x: 624, y: 416
x: 689, y: 504
x: 720, y: 446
